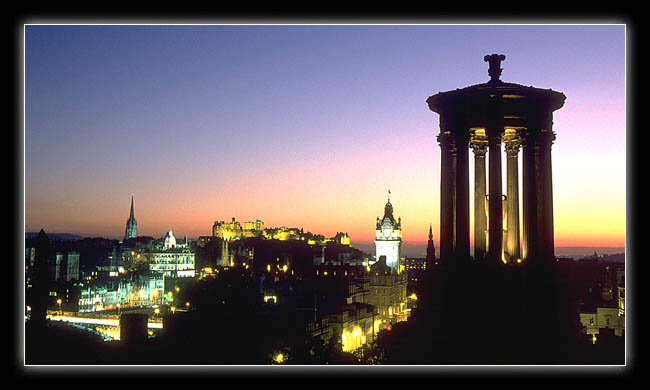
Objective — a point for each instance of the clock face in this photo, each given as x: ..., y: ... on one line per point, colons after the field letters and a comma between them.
x: 386, y: 230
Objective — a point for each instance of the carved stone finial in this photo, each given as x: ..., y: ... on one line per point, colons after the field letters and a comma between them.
x: 495, y: 65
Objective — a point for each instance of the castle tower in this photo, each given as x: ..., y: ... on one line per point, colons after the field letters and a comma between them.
x: 388, y: 237
x: 131, y: 230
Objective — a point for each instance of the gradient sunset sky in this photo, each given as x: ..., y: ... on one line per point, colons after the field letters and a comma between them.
x: 300, y: 126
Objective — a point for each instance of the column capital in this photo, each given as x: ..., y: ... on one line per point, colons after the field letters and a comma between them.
x: 478, y: 141
x: 512, y: 140
x: 528, y: 137
x: 545, y: 137
x: 447, y: 141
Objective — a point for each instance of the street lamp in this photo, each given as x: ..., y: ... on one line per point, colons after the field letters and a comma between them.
x: 59, y: 302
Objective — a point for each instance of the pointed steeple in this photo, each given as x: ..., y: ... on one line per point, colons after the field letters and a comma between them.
x: 431, y: 250
x: 131, y: 230
x: 388, y: 210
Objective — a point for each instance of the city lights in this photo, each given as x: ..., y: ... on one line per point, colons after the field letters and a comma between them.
x: 481, y: 179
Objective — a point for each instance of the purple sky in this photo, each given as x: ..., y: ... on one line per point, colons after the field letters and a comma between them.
x: 304, y: 126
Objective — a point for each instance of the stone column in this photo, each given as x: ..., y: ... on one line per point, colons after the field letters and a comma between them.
x: 462, y: 193
x: 479, y: 146
x: 447, y: 175
x: 529, y: 137
x: 454, y: 161
x: 544, y: 178
x: 495, y: 235
x: 512, y: 142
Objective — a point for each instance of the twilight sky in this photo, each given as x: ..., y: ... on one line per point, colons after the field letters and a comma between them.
x: 301, y: 126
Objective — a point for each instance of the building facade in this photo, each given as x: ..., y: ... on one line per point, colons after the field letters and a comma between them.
x: 171, y: 258
x: 388, y: 293
x: 67, y: 266
x: 143, y: 291
x: 354, y: 325
x: 235, y: 230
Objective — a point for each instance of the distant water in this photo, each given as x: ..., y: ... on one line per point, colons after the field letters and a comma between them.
x: 420, y: 250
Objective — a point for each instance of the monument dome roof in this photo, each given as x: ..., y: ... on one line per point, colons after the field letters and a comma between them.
x: 496, y: 87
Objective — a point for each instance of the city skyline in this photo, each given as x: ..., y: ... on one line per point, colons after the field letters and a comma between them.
x: 299, y: 126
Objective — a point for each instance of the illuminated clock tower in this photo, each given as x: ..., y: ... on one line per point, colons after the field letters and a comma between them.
x: 388, y: 237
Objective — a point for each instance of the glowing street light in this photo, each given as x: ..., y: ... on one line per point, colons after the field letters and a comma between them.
x: 59, y: 302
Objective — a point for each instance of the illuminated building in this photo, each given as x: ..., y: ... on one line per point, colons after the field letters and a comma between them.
x: 354, y: 324
x: 608, y: 312
x: 603, y: 317
x: 226, y: 259
x: 30, y: 255
x: 621, y: 306
x: 388, y: 237
x: 60, y: 267
x: 174, y: 262
x: 320, y: 329
x: 143, y: 291
x: 620, y: 279
x: 342, y: 238
x: 67, y: 266
x: 415, y: 267
x: 172, y: 259
x: 131, y: 230
x: 236, y: 230
x: 344, y: 283
x: 388, y: 293
x: 283, y: 233
x: 72, y: 272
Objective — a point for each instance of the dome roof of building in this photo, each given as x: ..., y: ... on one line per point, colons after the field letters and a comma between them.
x: 496, y: 87
x: 170, y: 240
x: 499, y: 88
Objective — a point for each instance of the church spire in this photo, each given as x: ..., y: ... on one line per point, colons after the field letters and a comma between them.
x: 431, y: 250
x: 131, y: 230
